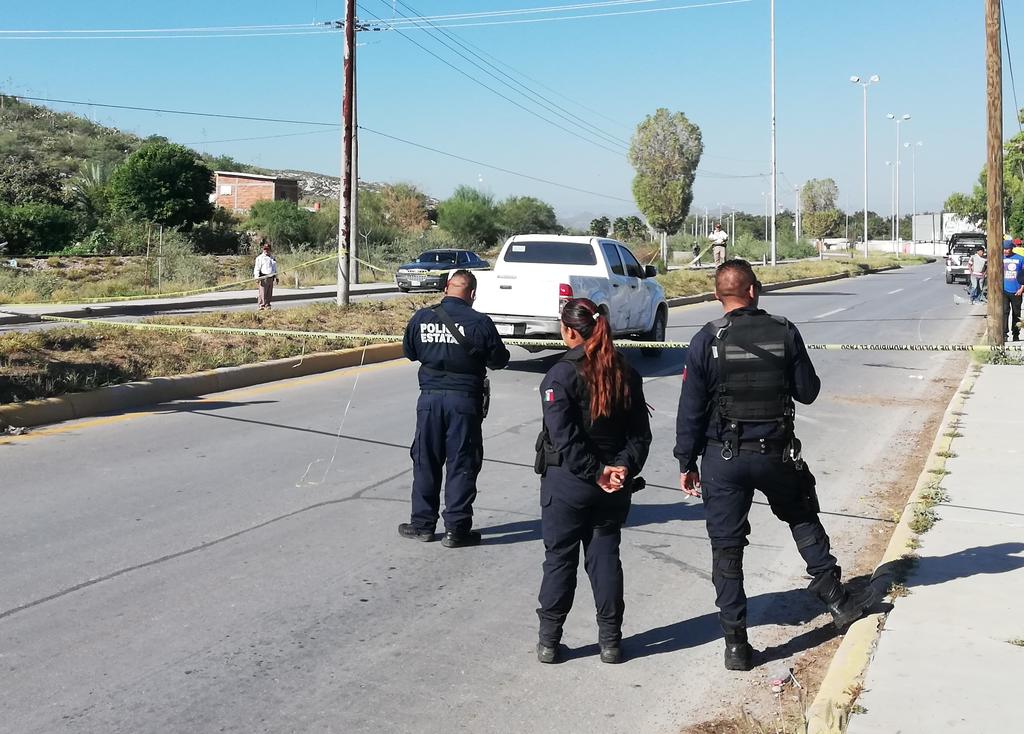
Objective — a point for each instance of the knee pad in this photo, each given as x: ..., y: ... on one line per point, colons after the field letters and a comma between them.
x: 727, y: 563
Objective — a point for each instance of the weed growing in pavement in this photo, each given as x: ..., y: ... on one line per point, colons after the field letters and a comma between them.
x: 858, y: 709
x: 953, y: 434
x: 935, y: 495
x: 898, y: 590
x: 1003, y: 356
x: 945, y: 454
x: 914, y: 543
x: 958, y: 413
x: 924, y: 520
x: 1019, y: 642
x: 939, y: 472
x: 966, y: 392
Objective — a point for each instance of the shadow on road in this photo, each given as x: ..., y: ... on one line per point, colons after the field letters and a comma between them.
x: 789, y: 294
x: 194, y: 406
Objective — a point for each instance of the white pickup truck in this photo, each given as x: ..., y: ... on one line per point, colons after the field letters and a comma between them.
x: 536, y: 274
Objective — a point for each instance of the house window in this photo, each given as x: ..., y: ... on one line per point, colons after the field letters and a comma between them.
x: 225, y: 190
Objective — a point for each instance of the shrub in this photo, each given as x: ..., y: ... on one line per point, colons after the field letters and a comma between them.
x: 32, y: 229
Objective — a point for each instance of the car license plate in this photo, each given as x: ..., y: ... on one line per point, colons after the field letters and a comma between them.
x: 414, y: 282
x: 505, y: 329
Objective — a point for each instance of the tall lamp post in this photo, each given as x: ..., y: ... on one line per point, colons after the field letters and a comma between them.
x: 896, y: 207
x: 891, y: 165
x: 913, y: 185
x: 873, y: 79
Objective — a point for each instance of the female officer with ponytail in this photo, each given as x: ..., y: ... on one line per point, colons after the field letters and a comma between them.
x: 594, y: 443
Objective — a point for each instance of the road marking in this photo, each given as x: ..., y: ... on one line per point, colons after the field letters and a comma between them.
x: 212, y: 397
x: 828, y: 313
x: 895, y: 291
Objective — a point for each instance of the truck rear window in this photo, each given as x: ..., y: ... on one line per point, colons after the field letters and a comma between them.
x: 550, y: 253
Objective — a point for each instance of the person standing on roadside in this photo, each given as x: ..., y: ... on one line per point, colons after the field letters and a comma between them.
x: 595, y: 439
x: 718, y: 239
x: 265, y: 269
x: 742, y: 375
x: 976, y: 268
x: 454, y: 345
x: 1013, y: 288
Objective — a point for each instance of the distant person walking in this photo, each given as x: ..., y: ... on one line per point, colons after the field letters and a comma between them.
x: 265, y: 269
x: 718, y: 239
x: 976, y: 267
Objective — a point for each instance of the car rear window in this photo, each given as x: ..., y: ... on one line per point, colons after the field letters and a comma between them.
x: 437, y: 257
x: 551, y: 253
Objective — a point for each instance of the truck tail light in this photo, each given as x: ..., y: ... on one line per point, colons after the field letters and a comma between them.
x: 564, y: 294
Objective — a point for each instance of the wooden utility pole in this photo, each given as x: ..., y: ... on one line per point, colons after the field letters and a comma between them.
x: 353, y: 215
x: 347, y: 109
x: 994, y: 65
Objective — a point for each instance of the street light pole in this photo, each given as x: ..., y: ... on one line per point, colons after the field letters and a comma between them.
x: 873, y: 79
x: 913, y: 185
x: 896, y: 207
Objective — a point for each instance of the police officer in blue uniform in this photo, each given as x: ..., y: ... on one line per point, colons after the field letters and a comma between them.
x: 742, y: 374
x: 594, y: 442
x: 454, y: 345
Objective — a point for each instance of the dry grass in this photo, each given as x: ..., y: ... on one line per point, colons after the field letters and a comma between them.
x: 43, y: 364
x: 694, y: 282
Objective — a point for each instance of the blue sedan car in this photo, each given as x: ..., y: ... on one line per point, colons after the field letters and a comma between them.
x: 430, y: 270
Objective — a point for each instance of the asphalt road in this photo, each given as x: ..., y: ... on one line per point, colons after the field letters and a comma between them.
x: 232, y: 563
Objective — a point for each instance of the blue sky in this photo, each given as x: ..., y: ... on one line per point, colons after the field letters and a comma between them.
x: 710, y: 62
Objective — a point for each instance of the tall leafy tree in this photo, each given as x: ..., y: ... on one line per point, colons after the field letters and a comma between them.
x: 819, y: 195
x: 665, y: 152
x: 600, y: 227
x: 527, y: 215
x: 26, y: 181
x: 162, y: 183
x: 469, y: 216
x: 405, y: 207
x: 281, y: 222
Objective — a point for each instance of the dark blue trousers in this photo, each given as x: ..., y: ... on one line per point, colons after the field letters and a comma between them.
x: 575, y: 515
x: 448, y: 440
x: 728, y: 491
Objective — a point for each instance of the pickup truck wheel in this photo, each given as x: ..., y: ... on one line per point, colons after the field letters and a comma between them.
x: 949, y: 278
x: 403, y: 289
x: 656, y: 334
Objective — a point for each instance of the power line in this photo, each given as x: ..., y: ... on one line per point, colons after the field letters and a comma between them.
x: 260, y: 137
x: 495, y: 91
x: 533, y: 11
x: 594, y: 15
x: 334, y: 125
x: 278, y: 26
x: 320, y: 32
x: 552, y: 106
x: 493, y: 167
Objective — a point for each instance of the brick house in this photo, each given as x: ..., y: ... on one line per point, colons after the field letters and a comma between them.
x: 239, y: 191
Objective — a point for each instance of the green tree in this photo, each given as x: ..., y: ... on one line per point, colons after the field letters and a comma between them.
x: 527, y: 215
x: 24, y: 181
x: 405, y: 207
x: 665, y: 152
x: 600, y: 227
x: 820, y: 224
x: 469, y: 216
x: 281, y: 222
x: 164, y: 184
x: 819, y: 195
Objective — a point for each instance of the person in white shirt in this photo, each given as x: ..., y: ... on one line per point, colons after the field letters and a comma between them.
x: 265, y: 266
x: 718, y: 238
x: 976, y: 268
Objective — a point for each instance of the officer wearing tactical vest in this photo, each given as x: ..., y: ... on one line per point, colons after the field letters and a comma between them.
x: 742, y: 374
x: 455, y: 345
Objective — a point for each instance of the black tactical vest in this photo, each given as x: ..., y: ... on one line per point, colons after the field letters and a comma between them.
x: 753, y: 354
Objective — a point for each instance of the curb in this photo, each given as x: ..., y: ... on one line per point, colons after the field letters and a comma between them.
x: 164, y: 389
x: 703, y: 297
x: 829, y: 712
x: 104, y: 310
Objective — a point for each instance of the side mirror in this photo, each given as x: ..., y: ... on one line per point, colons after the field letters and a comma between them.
x: 650, y: 271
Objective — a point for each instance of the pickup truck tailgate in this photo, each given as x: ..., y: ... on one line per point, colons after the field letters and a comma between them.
x: 516, y: 295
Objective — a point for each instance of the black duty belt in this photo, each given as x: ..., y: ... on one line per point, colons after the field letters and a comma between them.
x: 436, y: 391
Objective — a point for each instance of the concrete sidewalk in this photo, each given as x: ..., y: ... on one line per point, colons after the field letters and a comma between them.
x: 947, y: 660
x: 17, y: 314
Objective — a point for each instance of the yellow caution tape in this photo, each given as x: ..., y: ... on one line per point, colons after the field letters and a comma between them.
x: 533, y: 343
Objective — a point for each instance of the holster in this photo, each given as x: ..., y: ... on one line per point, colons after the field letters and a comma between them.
x: 486, y: 400
x: 546, y: 454
x: 808, y: 491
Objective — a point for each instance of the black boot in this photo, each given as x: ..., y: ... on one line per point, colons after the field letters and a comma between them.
x: 611, y: 652
x: 548, y: 653
x: 845, y: 608
x: 739, y: 655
